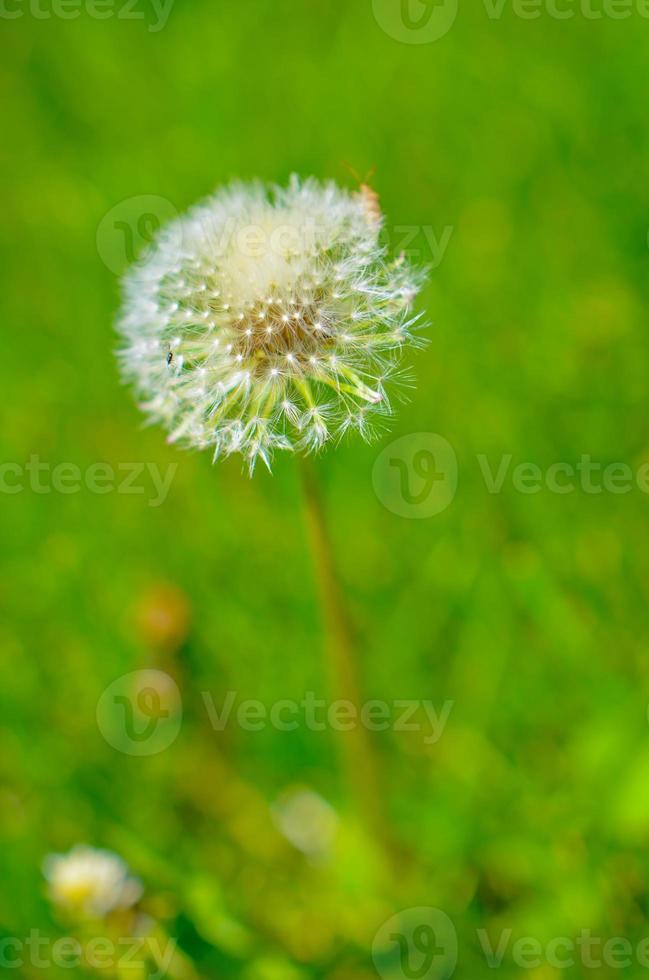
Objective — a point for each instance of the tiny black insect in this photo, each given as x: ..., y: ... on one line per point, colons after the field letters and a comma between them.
x: 170, y: 357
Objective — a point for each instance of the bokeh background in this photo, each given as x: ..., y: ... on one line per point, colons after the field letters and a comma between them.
x: 526, y: 138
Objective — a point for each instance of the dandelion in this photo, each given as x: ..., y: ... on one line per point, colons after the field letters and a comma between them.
x: 90, y: 883
x: 268, y: 319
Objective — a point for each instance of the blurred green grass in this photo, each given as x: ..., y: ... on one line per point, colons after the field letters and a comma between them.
x: 529, y: 139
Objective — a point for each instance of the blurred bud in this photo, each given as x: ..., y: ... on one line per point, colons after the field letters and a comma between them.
x: 162, y: 617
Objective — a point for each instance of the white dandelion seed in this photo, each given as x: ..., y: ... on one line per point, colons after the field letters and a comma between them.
x: 315, y: 317
x: 90, y: 883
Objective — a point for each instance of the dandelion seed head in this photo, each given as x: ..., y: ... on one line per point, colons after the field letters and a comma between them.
x: 254, y: 277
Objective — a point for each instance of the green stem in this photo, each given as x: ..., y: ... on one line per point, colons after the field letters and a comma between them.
x: 358, y: 757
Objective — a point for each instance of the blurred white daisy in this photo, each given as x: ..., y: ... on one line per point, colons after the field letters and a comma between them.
x: 90, y: 883
x: 268, y: 318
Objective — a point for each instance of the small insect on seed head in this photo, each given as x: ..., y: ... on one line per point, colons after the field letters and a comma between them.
x: 368, y: 196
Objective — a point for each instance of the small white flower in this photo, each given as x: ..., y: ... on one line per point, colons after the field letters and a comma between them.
x: 307, y: 821
x: 90, y: 883
x: 267, y: 318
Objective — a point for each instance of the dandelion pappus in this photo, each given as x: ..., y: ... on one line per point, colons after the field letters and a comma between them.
x: 306, y: 350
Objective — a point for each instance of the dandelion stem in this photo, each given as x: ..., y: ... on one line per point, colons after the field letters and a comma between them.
x: 358, y: 757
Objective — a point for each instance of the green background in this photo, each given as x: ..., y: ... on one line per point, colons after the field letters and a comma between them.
x: 527, y: 138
